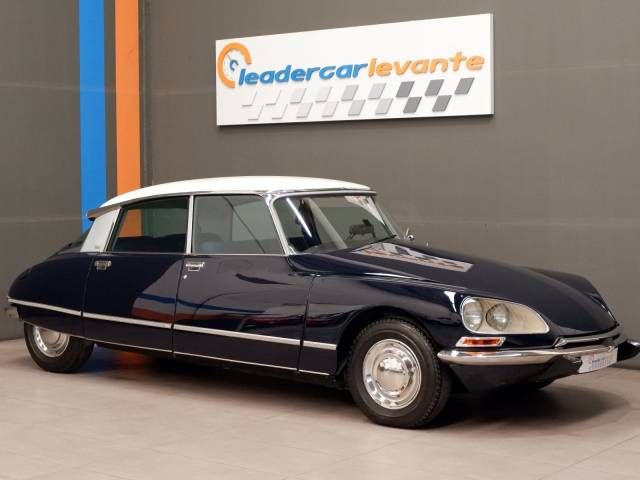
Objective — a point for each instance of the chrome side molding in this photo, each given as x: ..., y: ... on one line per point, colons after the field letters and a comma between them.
x: 45, y: 306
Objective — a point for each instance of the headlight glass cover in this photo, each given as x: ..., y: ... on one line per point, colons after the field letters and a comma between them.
x: 490, y: 316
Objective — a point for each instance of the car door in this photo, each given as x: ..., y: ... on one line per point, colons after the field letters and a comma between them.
x: 239, y: 300
x: 131, y: 287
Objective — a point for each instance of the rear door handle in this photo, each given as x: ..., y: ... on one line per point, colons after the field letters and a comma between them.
x: 194, y: 266
x: 102, y: 264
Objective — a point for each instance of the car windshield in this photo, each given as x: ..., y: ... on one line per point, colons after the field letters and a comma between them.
x: 322, y: 223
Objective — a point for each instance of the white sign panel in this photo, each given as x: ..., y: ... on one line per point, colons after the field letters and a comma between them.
x: 425, y: 68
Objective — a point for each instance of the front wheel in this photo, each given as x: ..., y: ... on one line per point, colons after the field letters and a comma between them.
x: 54, y: 351
x: 395, y: 376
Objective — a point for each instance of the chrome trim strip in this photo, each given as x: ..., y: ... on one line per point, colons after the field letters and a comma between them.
x: 235, y: 361
x: 276, y: 222
x: 128, y: 346
x: 100, y: 210
x: 234, y: 334
x: 588, y: 338
x: 320, y: 345
x: 314, y: 372
x: 522, y: 357
x: 45, y: 306
x: 189, y: 239
x: 131, y: 321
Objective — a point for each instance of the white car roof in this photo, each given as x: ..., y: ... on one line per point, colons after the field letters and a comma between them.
x: 262, y: 185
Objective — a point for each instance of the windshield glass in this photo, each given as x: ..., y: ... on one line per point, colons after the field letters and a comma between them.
x: 321, y: 223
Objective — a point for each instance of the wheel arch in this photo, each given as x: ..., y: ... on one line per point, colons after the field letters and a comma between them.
x: 362, y: 320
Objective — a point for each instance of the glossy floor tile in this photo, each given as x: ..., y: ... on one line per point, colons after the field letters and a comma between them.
x: 127, y: 416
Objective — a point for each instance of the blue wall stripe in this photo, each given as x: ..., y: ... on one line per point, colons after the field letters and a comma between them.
x: 93, y: 142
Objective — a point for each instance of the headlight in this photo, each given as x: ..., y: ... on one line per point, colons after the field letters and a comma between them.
x: 485, y: 315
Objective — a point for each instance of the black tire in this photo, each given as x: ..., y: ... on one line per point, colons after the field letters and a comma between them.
x: 435, y: 385
x: 74, y: 356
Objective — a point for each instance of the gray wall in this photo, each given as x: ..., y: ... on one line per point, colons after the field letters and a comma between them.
x: 39, y: 136
x: 552, y: 180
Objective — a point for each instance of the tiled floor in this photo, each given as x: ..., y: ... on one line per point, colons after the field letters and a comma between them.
x: 129, y: 417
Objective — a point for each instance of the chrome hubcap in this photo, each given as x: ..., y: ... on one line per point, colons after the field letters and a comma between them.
x: 391, y: 374
x: 50, y: 343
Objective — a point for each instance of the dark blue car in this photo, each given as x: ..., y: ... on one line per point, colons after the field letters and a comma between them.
x: 308, y: 276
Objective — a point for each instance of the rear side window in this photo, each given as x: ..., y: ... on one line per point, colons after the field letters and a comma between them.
x: 98, y: 236
x: 238, y: 224
x: 158, y: 226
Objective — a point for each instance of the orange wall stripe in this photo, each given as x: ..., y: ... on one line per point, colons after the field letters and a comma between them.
x: 127, y: 71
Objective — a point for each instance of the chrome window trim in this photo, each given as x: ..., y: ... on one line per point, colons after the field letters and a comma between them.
x: 235, y: 361
x: 212, y: 255
x: 234, y: 334
x: 112, y: 230
x: 190, y: 214
x: 319, y: 345
x: 127, y: 320
x: 100, y: 210
x: 45, y: 306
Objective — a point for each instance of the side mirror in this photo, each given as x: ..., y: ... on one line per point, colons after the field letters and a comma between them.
x: 408, y: 235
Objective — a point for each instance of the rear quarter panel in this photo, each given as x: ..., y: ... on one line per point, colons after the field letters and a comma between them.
x: 58, y: 281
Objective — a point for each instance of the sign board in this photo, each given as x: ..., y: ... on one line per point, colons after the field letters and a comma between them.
x: 424, y: 68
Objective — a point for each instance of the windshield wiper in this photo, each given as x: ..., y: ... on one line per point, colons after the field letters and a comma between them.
x: 383, y: 239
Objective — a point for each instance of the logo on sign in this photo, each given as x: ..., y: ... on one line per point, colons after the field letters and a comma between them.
x: 231, y: 73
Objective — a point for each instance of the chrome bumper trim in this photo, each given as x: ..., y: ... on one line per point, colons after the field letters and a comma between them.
x: 523, y: 357
x: 562, y: 341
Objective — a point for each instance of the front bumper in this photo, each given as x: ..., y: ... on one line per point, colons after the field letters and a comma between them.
x: 568, y: 347
x: 482, y: 369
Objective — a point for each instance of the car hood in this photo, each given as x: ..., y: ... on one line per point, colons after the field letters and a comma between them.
x: 570, y: 303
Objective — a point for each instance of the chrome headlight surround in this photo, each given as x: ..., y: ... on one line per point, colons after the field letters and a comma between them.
x: 500, y: 317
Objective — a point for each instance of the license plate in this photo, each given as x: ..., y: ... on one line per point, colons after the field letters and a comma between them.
x: 597, y: 361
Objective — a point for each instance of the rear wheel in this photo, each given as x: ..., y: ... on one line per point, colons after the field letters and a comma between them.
x: 395, y: 376
x: 54, y: 351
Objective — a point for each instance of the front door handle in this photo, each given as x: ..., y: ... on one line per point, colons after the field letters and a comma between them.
x: 194, y: 266
x: 102, y: 264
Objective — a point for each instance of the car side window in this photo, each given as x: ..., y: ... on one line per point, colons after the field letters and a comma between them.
x: 239, y: 224
x: 158, y: 226
x: 98, y: 236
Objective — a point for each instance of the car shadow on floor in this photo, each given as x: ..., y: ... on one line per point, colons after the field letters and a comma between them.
x: 553, y: 409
